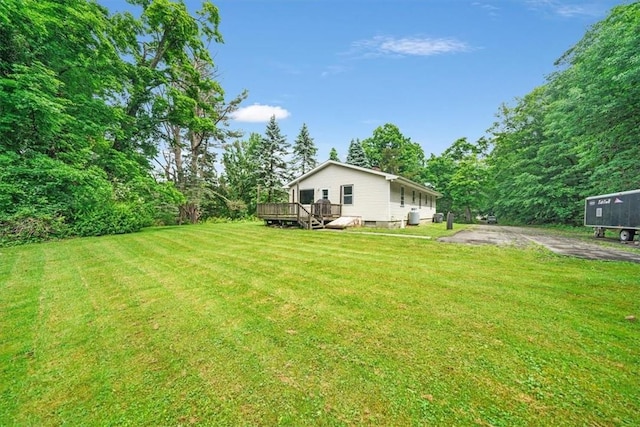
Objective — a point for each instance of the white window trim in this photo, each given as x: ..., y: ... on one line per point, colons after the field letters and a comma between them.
x: 342, y: 187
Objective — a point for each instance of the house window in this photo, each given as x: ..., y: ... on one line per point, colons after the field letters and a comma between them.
x: 413, y: 196
x: 325, y: 194
x: 420, y: 201
x: 306, y: 197
x: 401, y: 196
x: 347, y: 194
x: 430, y: 201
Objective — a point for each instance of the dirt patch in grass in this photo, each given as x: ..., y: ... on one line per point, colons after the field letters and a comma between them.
x: 559, y: 244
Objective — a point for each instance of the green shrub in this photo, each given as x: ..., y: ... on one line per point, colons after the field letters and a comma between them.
x: 43, y: 198
x: 114, y: 218
x: 29, y: 226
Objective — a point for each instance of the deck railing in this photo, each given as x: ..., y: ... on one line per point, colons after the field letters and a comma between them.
x: 297, y: 212
x: 276, y: 210
x: 326, y: 210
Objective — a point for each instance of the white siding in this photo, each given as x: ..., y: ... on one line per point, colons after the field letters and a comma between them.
x: 370, y: 191
x: 399, y: 213
x: 376, y: 196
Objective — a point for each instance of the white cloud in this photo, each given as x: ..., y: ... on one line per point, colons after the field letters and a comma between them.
x: 408, y: 46
x: 569, y: 11
x: 539, y: 3
x: 491, y: 9
x: 332, y: 70
x: 257, y: 113
x: 564, y: 9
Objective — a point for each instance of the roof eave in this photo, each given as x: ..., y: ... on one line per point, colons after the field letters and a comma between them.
x: 418, y: 186
x: 387, y: 176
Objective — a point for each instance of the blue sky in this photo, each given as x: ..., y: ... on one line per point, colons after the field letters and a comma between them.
x: 437, y: 69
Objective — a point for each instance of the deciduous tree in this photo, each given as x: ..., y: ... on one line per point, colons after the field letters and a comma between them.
x: 196, y: 124
x: 166, y: 48
x: 461, y: 175
x: 239, y: 181
x: 394, y: 153
x: 596, y: 101
x: 576, y: 135
x: 81, y: 101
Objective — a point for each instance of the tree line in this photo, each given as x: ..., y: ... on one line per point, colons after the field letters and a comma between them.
x: 577, y: 135
x: 88, y: 99
x: 110, y: 122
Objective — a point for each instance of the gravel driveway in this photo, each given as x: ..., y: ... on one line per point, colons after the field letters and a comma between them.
x: 522, y: 236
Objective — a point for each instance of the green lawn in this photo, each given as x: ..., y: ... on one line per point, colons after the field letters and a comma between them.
x: 240, y: 324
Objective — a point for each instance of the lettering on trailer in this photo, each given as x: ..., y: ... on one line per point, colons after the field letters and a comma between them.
x: 617, y: 201
x: 604, y: 201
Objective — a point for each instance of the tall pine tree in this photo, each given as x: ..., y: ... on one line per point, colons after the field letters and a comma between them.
x: 272, y: 170
x: 304, y: 152
x: 356, y: 155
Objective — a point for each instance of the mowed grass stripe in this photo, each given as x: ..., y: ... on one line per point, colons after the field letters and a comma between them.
x: 273, y: 360
x: 250, y: 332
x: 179, y: 354
x: 242, y: 324
x: 67, y: 353
x: 64, y: 375
x: 264, y: 329
x: 145, y: 362
x: 20, y: 279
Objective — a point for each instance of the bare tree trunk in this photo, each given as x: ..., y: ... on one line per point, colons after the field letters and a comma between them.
x: 189, y: 212
x: 176, y: 148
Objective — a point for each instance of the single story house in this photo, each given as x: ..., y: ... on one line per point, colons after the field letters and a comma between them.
x: 379, y: 199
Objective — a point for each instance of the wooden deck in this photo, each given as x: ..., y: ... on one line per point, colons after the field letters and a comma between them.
x: 316, y: 216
